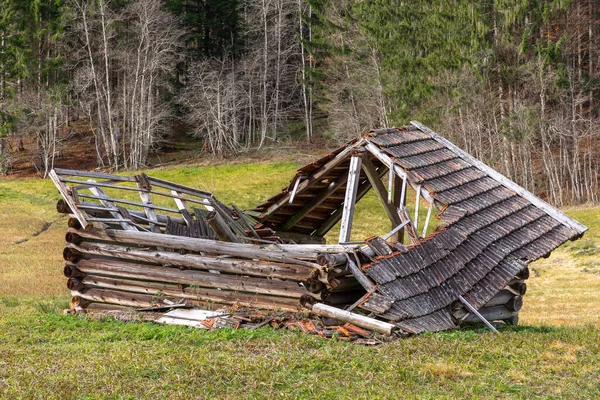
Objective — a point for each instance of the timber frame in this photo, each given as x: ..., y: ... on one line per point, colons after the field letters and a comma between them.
x: 470, y: 266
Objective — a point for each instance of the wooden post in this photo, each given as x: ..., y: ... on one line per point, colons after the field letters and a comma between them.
x: 417, y: 204
x: 426, y: 225
x: 350, y: 199
x: 379, y: 189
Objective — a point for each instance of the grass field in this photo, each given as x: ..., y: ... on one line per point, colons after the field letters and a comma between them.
x: 44, y: 354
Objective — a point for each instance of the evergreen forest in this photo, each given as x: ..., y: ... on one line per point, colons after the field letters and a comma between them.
x: 516, y: 83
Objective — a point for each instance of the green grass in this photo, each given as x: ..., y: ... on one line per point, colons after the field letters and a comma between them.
x: 44, y: 354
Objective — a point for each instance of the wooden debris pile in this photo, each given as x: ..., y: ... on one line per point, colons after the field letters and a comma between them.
x: 196, y: 252
x: 457, y: 254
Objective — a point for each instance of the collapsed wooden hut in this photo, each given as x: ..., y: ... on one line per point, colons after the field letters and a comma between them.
x: 140, y: 241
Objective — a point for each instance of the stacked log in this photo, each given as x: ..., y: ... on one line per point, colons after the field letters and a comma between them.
x: 112, y: 267
x: 503, y: 307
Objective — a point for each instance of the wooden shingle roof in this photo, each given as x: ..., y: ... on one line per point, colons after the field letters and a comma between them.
x: 492, y: 228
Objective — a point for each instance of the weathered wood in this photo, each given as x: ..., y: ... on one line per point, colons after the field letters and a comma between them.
x: 399, y: 202
x: 315, y: 202
x: 295, y: 189
x: 327, y: 168
x: 64, y: 191
x: 354, y: 318
x: 121, y: 298
x: 380, y: 190
x: 505, y: 297
x: 300, y: 238
x: 376, y: 303
x: 426, y: 225
x: 125, y: 224
x: 343, y: 283
x: 189, y: 293
x: 180, y: 321
x: 533, y: 199
x: 150, y: 213
x: 131, y: 203
x: 223, y: 231
x: 417, y: 205
x: 98, y: 175
x: 387, y: 161
x: 476, y: 315
x: 360, y: 276
x: 332, y: 260
x: 337, y: 214
x: 190, y: 277
x: 96, y: 210
x: 518, y: 288
x: 350, y: 199
x: 279, y: 253
x: 226, y: 265
x: 85, y: 184
x: 494, y: 313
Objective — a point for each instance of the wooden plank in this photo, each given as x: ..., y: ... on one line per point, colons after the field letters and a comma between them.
x: 350, y: 199
x: 360, y: 276
x: 180, y: 321
x: 64, y: 191
x: 380, y: 190
x: 97, y: 175
x: 279, y: 252
x: 533, y: 199
x: 327, y: 168
x: 125, y: 224
x: 85, y: 185
x: 131, y: 203
x: 150, y: 213
x: 295, y: 189
x: 179, y: 188
x: 315, y: 202
x: 384, y: 158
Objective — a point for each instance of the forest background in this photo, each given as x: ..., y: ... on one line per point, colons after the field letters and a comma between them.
x: 516, y: 83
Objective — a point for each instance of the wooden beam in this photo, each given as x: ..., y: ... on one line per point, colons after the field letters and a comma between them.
x: 399, y: 201
x: 350, y: 199
x: 314, y: 203
x: 125, y: 224
x: 341, y: 157
x: 384, y: 158
x: 150, y: 213
x: 375, y: 180
x: 337, y: 214
x: 533, y: 199
x: 477, y: 314
x: 417, y: 205
x: 426, y: 225
x: 64, y: 191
